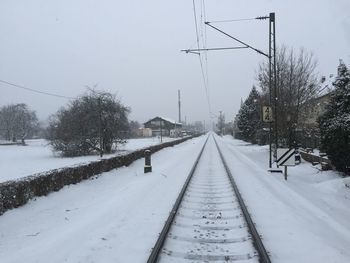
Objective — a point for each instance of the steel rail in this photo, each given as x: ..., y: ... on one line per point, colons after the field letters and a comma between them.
x: 162, y: 236
x: 258, y: 244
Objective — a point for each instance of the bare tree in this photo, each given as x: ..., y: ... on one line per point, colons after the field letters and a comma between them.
x: 93, y: 122
x: 17, y: 122
x: 296, y: 84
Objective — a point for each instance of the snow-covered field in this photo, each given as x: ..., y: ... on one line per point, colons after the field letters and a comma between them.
x: 17, y: 161
x: 114, y: 218
x: 117, y: 217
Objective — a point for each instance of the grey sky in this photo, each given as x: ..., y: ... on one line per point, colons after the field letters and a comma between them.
x: 133, y: 48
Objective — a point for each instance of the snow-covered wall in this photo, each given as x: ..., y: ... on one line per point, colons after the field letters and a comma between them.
x: 17, y: 193
x: 314, y: 158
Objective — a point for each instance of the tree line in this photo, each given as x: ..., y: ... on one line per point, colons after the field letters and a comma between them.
x: 297, y: 86
x: 95, y: 122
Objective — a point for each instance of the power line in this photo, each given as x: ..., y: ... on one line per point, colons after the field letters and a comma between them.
x: 236, y: 39
x: 195, y: 51
x: 34, y: 90
x: 232, y: 20
x: 205, y: 46
x: 195, y: 21
x: 199, y: 55
x: 241, y: 19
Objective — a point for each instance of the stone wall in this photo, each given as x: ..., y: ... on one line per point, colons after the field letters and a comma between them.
x: 17, y: 193
x: 314, y: 158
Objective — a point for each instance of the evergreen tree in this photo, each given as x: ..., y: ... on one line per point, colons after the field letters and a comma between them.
x: 249, y: 121
x: 335, y: 122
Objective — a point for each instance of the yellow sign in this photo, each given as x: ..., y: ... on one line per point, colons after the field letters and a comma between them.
x: 267, y: 114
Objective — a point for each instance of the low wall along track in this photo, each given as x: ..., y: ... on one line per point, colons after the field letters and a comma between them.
x: 18, y: 192
x: 209, y: 220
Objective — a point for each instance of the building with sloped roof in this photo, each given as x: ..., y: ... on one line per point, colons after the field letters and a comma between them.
x: 162, y: 125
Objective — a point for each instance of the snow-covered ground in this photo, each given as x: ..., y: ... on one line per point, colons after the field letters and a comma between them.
x: 17, y: 161
x: 117, y: 217
x: 304, y: 219
x: 114, y: 218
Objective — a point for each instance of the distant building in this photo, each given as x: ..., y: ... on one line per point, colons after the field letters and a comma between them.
x: 144, y: 132
x: 308, y: 132
x: 162, y: 125
x: 314, y: 108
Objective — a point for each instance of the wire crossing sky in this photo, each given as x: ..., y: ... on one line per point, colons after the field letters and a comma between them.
x: 34, y: 90
x: 132, y: 49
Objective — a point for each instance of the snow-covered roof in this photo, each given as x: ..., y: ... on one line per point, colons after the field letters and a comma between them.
x: 166, y: 119
x: 326, y: 84
x: 169, y: 120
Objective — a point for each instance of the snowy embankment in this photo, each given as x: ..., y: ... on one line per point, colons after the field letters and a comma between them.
x: 18, y: 161
x: 115, y: 218
x: 304, y: 219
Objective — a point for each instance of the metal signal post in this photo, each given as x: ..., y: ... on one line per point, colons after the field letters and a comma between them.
x: 272, y: 80
x: 272, y: 68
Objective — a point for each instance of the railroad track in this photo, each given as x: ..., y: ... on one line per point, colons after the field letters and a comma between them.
x: 209, y: 221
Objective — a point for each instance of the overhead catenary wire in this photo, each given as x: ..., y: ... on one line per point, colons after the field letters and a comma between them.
x: 199, y: 56
x: 203, y: 35
x: 205, y: 44
x: 240, y: 19
x: 232, y: 20
x: 205, y: 49
x: 195, y: 51
x: 35, y: 90
x: 236, y: 39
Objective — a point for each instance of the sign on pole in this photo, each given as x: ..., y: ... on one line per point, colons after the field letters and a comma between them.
x: 286, y: 157
x: 267, y: 114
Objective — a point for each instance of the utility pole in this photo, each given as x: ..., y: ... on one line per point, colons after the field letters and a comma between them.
x: 275, y: 79
x: 272, y: 80
x: 179, y: 100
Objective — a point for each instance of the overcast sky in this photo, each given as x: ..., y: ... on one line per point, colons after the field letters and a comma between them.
x: 132, y: 48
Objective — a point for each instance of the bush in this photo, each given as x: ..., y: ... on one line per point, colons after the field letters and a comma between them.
x: 91, y: 123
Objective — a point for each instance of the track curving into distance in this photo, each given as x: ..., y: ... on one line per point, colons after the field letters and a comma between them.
x: 209, y: 221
